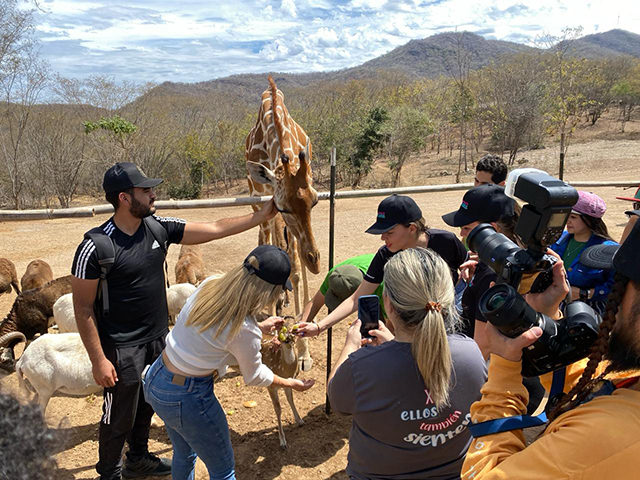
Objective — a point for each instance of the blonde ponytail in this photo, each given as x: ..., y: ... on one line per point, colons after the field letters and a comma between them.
x: 418, y: 284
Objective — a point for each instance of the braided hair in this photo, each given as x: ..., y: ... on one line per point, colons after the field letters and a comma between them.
x: 599, y: 349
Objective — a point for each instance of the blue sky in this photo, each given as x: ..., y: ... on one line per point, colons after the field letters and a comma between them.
x: 191, y: 41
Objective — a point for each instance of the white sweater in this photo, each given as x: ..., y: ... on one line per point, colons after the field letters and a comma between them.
x: 198, y: 353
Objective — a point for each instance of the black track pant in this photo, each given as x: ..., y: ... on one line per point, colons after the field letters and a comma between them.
x: 126, y: 416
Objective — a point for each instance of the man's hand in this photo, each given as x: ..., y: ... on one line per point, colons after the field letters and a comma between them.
x: 548, y: 302
x: 104, y: 373
x: 268, y: 211
x: 271, y: 324
x: 510, y: 348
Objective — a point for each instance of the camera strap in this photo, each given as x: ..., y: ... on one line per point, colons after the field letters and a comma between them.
x: 518, y: 422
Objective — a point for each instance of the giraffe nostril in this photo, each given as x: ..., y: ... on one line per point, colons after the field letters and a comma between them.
x: 312, y: 257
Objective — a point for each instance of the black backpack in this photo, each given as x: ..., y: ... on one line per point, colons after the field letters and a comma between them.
x: 107, y: 253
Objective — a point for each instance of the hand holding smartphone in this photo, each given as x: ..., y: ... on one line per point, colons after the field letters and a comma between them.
x: 368, y: 313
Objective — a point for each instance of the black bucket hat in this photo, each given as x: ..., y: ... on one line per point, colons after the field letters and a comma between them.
x: 126, y: 175
x: 395, y: 210
x: 486, y: 203
x: 622, y: 258
x: 274, y: 266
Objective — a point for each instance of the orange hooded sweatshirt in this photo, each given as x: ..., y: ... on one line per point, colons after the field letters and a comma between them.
x: 598, y: 440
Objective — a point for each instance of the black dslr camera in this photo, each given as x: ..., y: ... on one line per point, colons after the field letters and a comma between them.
x: 529, y: 270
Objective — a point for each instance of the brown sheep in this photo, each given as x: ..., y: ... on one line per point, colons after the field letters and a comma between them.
x: 8, y: 276
x: 30, y: 315
x: 38, y: 273
x: 190, y: 266
x: 282, y: 358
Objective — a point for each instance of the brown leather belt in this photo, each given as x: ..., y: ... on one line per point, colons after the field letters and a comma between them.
x: 181, y: 379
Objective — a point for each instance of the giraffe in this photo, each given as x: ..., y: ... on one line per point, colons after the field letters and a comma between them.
x: 278, y: 155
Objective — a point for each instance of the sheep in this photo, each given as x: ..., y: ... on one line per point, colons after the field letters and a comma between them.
x: 176, y: 298
x: 38, y: 273
x: 63, y: 314
x: 190, y: 266
x: 56, y: 364
x: 65, y: 317
x: 30, y: 315
x: 8, y: 276
x: 282, y: 358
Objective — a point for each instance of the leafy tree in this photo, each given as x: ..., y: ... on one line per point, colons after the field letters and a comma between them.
x: 406, y: 132
x: 119, y: 130
x: 627, y: 93
x: 368, y: 143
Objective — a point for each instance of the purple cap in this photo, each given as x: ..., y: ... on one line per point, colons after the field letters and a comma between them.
x: 590, y: 204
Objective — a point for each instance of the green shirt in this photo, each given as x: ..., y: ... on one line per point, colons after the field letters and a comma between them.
x: 362, y: 262
x: 572, y: 251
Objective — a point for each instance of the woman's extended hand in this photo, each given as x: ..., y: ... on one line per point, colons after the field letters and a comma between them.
x: 300, y: 385
x: 308, y: 329
x: 381, y: 335
x: 271, y: 324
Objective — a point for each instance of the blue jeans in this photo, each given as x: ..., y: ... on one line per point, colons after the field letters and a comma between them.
x: 194, y: 420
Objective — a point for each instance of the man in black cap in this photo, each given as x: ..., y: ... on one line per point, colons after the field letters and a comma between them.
x: 124, y: 330
x: 594, y: 429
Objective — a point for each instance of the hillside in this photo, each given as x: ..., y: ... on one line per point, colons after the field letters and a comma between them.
x: 435, y: 56
x: 429, y: 57
x: 607, y: 44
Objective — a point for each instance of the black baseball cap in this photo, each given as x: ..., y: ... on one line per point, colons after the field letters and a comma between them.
x: 486, y: 203
x: 126, y: 175
x: 622, y: 258
x: 394, y: 210
x: 274, y: 266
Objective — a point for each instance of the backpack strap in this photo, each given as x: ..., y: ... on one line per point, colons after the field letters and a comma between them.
x: 160, y: 234
x: 106, y: 257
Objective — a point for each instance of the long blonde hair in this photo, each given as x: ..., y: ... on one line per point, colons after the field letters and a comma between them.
x: 413, y: 279
x: 230, y: 299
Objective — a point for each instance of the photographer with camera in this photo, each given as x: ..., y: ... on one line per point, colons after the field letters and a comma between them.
x: 483, y: 204
x: 586, y: 228
x: 594, y: 430
x: 409, y: 395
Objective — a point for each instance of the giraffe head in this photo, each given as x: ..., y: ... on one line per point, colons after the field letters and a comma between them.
x: 294, y: 197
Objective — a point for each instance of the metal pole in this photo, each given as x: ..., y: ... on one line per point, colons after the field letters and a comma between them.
x: 332, y: 217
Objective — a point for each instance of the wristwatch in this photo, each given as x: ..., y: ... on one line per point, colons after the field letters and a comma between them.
x: 584, y: 294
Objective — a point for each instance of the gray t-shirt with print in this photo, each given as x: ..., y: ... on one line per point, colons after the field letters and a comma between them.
x: 397, y: 432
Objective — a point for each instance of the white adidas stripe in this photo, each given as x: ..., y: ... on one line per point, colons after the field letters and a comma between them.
x: 81, y: 266
x: 169, y: 219
x: 108, y: 402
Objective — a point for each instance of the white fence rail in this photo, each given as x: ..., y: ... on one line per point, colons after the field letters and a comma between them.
x: 46, y: 214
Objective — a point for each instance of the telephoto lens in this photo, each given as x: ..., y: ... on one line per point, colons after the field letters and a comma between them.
x: 507, y: 310
x: 493, y: 248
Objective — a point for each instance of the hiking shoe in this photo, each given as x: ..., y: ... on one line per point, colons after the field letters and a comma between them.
x: 149, y: 465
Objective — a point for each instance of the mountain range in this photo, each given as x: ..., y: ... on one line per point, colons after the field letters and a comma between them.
x: 430, y: 57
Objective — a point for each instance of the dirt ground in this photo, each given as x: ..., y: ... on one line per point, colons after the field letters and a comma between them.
x: 318, y: 450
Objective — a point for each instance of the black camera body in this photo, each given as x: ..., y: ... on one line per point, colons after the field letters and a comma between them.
x: 530, y: 270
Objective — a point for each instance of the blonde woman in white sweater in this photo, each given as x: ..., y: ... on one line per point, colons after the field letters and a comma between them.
x: 215, y: 329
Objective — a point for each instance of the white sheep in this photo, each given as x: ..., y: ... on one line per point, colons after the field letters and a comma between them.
x: 176, y: 298
x: 56, y: 364
x: 63, y: 314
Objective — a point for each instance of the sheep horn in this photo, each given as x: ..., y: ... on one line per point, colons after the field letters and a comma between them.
x: 7, y: 338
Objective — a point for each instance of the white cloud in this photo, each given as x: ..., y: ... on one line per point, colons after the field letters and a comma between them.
x: 195, y: 40
x: 289, y: 6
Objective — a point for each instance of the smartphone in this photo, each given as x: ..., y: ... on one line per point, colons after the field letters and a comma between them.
x: 368, y: 313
